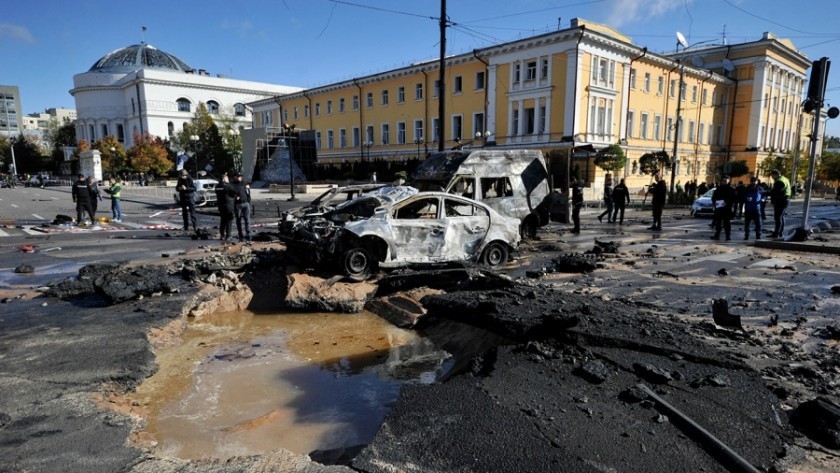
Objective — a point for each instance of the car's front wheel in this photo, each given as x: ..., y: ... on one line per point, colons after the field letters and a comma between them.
x: 358, y: 263
x: 495, y: 256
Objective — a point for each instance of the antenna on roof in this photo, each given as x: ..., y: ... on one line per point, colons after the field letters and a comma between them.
x: 724, y: 34
x: 558, y: 22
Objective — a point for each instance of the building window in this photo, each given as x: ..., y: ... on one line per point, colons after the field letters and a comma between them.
x: 457, y: 86
x: 542, y: 120
x: 329, y: 107
x: 515, y: 123
x: 704, y: 96
x: 317, y: 109
x: 701, y: 133
x: 672, y: 89
x: 401, y: 133
x: 385, y: 97
x: 544, y: 69
x: 457, y: 127
x: 184, y: 105
x: 479, y: 80
x: 682, y: 130
x: 400, y: 94
x: 643, y: 131
x: 660, y: 85
x: 531, y: 70
x: 632, y: 78
x: 437, y: 89
x: 285, y: 114
x: 530, y: 121
x: 386, y: 134
x: 647, y: 81
x: 104, y: 130
x: 631, y: 118
x: 693, y: 94
x: 690, y: 131
x: 418, y: 91
x: 517, y: 72
x: 418, y: 130
x: 342, y: 138
x: 306, y: 111
x: 369, y: 134
x: 369, y: 99
x: 120, y: 133
x: 436, y: 129
x: 478, y: 124
x: 603, y: 72
x: 213, y: 107
x: 355, y: 102
x: 318, y: 138
x: 669, y: 123
x: 341, y: 105
x: 657, y: 127
x: 330, y: 144
x: 239, y: 109
x: 356, y: 136
x: 295, y: 114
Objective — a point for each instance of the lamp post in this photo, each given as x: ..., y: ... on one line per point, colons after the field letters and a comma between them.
x: 14, y: 164
x: 482, y: 136
x: 194, y: 141
x: 367, y: 146
x: 680, y: 41
x: 288, y: 130
x: 418, y: 142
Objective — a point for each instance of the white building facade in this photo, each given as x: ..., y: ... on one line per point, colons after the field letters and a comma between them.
x: 141, y: 89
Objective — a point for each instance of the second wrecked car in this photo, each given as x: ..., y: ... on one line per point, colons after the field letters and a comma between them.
x: 425, y: 228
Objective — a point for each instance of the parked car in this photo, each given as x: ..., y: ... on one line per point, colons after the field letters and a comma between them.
x: 702, y: 206
x: 334, y: 197
x: 427, y: 228
x: 205, y: 192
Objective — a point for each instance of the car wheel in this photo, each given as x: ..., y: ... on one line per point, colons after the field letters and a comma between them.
x: 495, y: 256
x: 358, y: 264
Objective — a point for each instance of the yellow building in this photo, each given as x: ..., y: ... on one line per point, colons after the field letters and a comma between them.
x: 570, y: 92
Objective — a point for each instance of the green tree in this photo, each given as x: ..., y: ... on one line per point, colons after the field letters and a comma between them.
x: 149, y: 155
x: 63, y: 136
x: 653, y: 163
x: 112, y: 152
x: 611, y: 158
x: 734, y: 169
x: 784, y: 163
x: 830, y: 167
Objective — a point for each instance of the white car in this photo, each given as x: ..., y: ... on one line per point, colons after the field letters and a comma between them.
x: 702, y: 206
x: 205, y: 192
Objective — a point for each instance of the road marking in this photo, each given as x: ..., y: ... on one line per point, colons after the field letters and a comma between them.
x: 38, y: 216
x: 30, y: 231
x: 13, y: 205
x: 3, y: 234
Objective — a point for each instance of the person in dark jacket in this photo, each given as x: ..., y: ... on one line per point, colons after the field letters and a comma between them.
x: 740, y: 190
x: 186, y: 197
x: 95, y: 195
x: 724, y: 199
x: 780, y: 198
x: 608, y: 202
x: 225, y: 197
x: 659, y: 193
x: 82, y: 196
x: 242, y: 208
x: 621, y: 198
x: 577, y: 203
x: 752, y: 208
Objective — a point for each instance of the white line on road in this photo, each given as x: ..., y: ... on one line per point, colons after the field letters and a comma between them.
x: 30, y: 231
x: 3, y: 234
x: 13, y: 205
x: 38, y: 216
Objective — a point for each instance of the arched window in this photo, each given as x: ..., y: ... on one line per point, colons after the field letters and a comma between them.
x: 91, y: 135
x: 213, y: 107
x: 104, y: 130
x: 184, y: 105
x: 171, y: 128
x: 239, y: 110
x: 120, y: 133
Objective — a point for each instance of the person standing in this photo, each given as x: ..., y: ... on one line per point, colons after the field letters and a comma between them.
x: 81, y: 196
x: 186, y: 197
x: 225, y: 195
x: 702, y: 189
x: 577, y: 203
x: 242, y: 208
x: 724, y: 199
x: 608, y: 201
x: 740, y: 190
x: 95, y: 195
x: 752, y: 208
x: 780, y: 198
x: 620, y: 197
x: 659, y: 193
x: 114, y: 190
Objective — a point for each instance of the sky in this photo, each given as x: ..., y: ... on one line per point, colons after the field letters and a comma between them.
x: 308, y: 43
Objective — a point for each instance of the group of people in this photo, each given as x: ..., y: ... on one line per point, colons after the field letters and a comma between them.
x: 86, y: 196
x: 751, y: 199
x: 233, y: 201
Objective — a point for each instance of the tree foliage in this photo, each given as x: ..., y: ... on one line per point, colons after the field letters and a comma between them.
x: 830, y: 166
x: 149, y: 155
x: 64, y: 135
x: 113, y: 162
x: 784, y: 163
x: 734, y: 169
x: 611, y: 158
x: 653, y: 163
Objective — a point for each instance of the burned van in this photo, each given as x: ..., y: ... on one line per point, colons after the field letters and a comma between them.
x: 512, y: 182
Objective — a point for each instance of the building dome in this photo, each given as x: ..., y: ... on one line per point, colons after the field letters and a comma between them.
x: 138, y: 56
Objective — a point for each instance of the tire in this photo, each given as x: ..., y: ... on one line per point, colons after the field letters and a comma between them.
x: 528, y: 229
x: 357, y: 264
x: 495, y: 255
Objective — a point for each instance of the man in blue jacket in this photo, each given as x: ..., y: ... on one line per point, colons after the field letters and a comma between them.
x: 752, y: 208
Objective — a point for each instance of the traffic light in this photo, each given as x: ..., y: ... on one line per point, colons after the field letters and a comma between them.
x: 816, y: 84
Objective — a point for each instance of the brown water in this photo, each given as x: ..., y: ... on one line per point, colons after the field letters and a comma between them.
x: 244, y: 383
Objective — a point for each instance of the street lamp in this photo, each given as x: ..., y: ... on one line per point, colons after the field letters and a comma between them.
x: 194, y: 140
x: 483, y: 136
x: 288, y: 130
x: 418, y: 142
x: 368, y: 146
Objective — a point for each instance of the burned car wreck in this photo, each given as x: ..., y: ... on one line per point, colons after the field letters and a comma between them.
x: 396, y: 227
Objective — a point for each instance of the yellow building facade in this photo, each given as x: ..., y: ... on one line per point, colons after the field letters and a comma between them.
x: 572, y: 91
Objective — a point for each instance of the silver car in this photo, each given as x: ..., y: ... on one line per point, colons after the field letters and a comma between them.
x: 426, y: 228
x: 702, y: 206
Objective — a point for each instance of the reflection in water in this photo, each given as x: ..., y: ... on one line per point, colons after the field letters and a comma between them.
x: 243, y: 383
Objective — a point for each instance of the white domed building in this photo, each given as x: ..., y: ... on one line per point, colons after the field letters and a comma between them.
x: 141, y: 89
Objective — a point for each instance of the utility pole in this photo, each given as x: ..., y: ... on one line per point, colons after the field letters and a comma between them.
x: 676, y: 135
x: 442, y: 86
x: 816, y: 96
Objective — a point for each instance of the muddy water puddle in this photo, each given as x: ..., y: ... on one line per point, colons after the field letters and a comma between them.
x: 244, y: 383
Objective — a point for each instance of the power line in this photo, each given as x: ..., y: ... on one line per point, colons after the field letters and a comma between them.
x: 768, y: 21
x: 537, y: 11
x: 387, y: 10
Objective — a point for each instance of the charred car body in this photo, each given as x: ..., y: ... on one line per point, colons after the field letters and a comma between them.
x: 425, y: 228
x: 512, y: 182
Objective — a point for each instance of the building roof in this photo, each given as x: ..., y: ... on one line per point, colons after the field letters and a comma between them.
x: 138, y: 56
